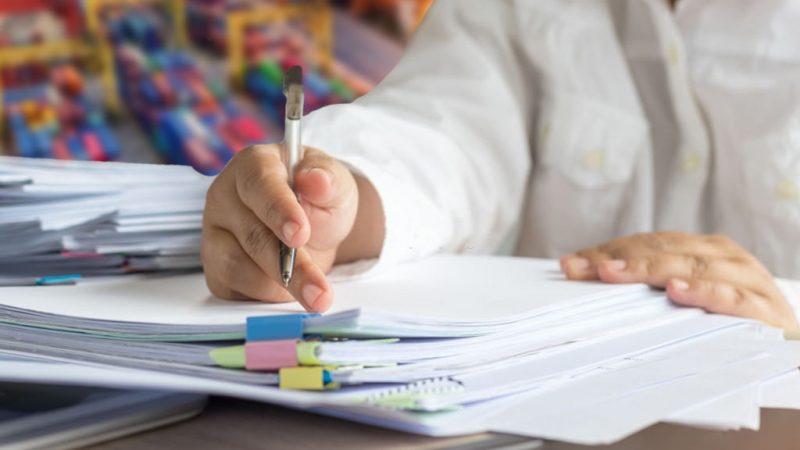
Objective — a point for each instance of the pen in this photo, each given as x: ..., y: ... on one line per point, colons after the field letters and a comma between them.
x: 292, y: 151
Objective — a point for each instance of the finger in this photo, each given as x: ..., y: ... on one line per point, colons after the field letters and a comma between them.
x: 583, y: 264
x: 657, y: 269
x: 233, y: 274
x: 309, y: 285
x: 329, y: 196
x: 718, y: 297
x: 262, y: 185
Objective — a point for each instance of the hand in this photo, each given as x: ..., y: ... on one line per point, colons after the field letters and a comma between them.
x: 250, y: 208
x: 709, y: 272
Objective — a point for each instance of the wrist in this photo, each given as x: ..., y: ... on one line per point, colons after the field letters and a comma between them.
x: 365, y: 239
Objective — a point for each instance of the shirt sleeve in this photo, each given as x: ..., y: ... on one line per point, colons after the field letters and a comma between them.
x: 444, y: 138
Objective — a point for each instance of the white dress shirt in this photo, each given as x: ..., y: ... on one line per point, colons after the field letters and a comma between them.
x: 566, y: 123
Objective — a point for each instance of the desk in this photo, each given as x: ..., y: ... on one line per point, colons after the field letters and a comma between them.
x: 237, y: 424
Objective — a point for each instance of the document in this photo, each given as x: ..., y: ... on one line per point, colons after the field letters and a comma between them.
x: 98, y: 286
x: 581, y: 362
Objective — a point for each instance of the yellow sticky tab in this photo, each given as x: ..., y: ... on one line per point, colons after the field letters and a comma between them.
x: 308, y: 378
x: 307, y: 353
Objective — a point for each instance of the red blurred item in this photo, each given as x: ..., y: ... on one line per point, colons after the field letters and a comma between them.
x: 164, y: 89
x: 68, y: 80
x: 60, y: 150
x: 93, y: 147
x: 200, y: 155
x: 229, y: 138
x: 247, y: 128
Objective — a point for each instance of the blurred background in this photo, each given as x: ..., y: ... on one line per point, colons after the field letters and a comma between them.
x: 181, y: 81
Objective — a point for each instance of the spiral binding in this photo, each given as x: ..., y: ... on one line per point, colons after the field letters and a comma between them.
x: 406, y: 397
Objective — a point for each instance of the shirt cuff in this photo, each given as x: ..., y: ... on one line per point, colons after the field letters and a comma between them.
x: 410, y: 221
x: 790, y: 290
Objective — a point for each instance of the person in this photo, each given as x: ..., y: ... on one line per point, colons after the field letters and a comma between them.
x: 646, y: 141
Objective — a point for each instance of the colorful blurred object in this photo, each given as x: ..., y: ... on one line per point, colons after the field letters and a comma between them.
x: 66, y: 64
x: 55, y: 119
x: 262, y: 41
x: 189, y: 119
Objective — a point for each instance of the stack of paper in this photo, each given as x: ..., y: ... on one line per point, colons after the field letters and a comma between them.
x: 69, y: 218
x: 428, y: 348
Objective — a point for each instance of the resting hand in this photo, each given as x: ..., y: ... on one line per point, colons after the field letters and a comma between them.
x: 250, y: 208
x: 709, y: 272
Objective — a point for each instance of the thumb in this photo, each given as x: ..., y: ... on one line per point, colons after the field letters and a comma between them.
x: 323, y: 181
x: 329, y: 195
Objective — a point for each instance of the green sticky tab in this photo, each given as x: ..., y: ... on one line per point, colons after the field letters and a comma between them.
x: 229, y: 357
x: 308, y: 353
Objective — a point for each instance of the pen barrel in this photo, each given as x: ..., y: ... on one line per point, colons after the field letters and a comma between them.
x: 292, y: 147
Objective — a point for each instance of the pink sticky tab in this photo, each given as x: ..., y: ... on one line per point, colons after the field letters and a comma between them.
x: 270, y: 355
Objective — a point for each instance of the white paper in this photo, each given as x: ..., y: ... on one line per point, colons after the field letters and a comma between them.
x: 782, y: 391
x: 443, y: 287
x: 573, y: 419
x: 733, y: 411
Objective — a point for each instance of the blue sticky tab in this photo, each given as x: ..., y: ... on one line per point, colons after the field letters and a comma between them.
x: 272, y: 328
x: 58, y: 279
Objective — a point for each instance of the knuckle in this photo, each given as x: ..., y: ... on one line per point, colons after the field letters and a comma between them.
x: 739, y: 297
x: 649, y: 265
x: 257, y: 239
x: 213, y: 195
x: 257, y: 151
x: 274, y: 292
x: 306, y: 267
x: 659, y: 242
x: 721, y: 240
x: 698, y: 266
x: 229, y: 263
x: 254, y: 178
x: 218, y: 289
x: 276, y: 210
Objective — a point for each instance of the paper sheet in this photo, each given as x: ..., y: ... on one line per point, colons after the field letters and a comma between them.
x: 446, y: 287
x: 619, y: 417
x: 782, y: 391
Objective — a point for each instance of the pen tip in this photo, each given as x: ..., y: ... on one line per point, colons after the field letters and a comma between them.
x: 286, y: 278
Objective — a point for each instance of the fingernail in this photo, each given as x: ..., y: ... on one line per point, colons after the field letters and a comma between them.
x: 578, y: 263
x: 680, y: 285
x: 289, y: 230
x: 616, y: 265
x: 310, y: 294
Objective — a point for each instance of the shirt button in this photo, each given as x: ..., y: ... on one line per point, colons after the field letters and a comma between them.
x: 594, y: 159
x: 787, y: 190
x: 545, y: 133
x: 690, y: 163
x: 673, y: 54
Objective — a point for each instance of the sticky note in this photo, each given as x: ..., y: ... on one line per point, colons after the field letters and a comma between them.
x: 308, y: 378
x: 270, y: 355
x: 229, y: 357
x: 274, y: 328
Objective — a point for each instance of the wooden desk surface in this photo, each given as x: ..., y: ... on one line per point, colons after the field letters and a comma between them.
x: 237, y: 424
